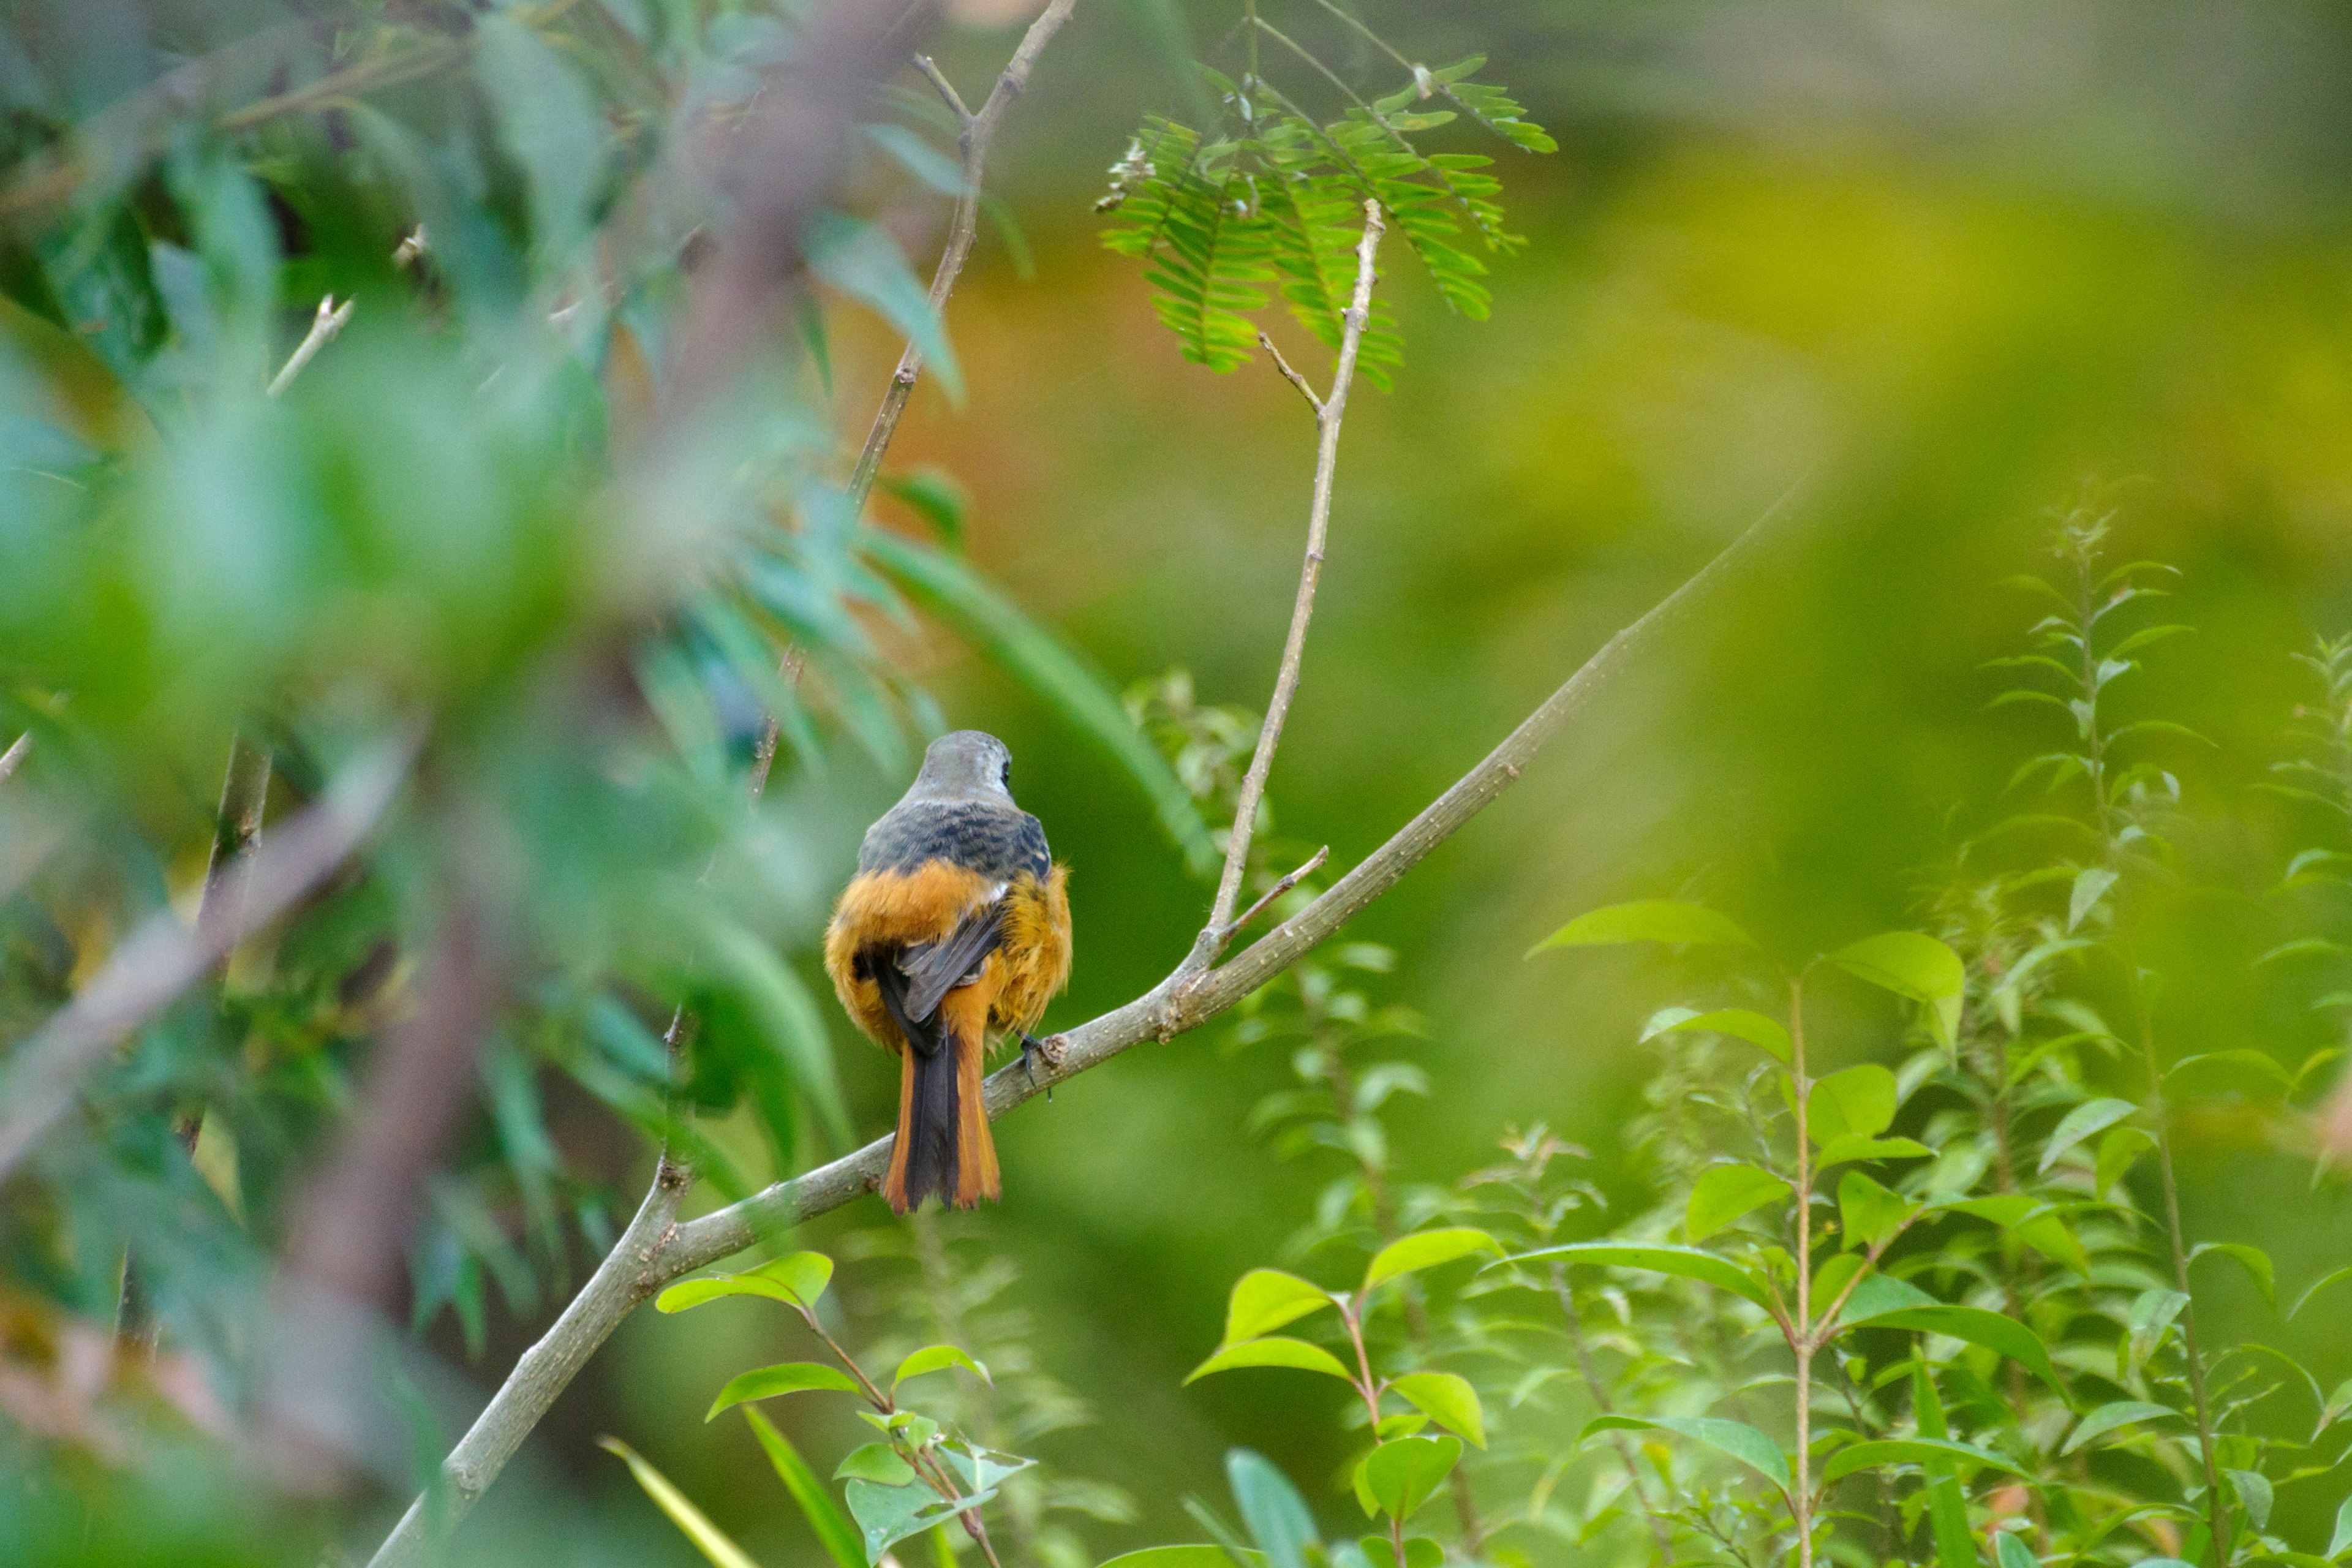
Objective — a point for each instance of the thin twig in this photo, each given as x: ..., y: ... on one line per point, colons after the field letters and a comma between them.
x: 1291, y: 375
x: 13, y: 757
x: 946, y: 89
x: 654, y: 1249
x: 324, y: 325
x: 978, y: 130
x: 245, y: 790
x: 1328, y: 415
x: 1289, y: 881
x: 163, y: 958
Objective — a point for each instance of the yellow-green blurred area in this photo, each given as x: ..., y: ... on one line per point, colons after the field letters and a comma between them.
x: 1905, y: 281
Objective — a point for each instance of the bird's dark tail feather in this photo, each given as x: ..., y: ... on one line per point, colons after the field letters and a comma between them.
x: 928, y: 1156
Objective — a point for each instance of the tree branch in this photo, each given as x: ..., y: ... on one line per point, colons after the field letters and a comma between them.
x: 245, y: 790
x: 978, y: 130
x: 1329, y: 412
x: 163, y: 958
x: 324, y: 325
x: 655, y: 1249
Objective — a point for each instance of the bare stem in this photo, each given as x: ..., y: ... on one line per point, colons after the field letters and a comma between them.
x: 1800, y: 1502
x: 324, y: 325
x: 1329, y: 412
x: 1289, y: 881
x: 13, y: 757
x: 656, y: 1249
x: 245, y: 790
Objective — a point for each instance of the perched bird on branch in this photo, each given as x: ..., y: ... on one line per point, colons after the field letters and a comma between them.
x: 957, y: 926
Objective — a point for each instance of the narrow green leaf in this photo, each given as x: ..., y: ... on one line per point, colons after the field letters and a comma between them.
x: 1446, y: 1399
x: 1947, y: 1506
x: 1689, y: 1262
x: 2010, y: 1551
x: 2110, y: 1416
x: 833, y: 1531
x: 2006, y: 1336
x: 1273, y: 1351
x: 1845, y: 1150
x: 1271, y: 1508
x: 791, y: 1377
x: 2091, y: 1116
x: 2334, y: 1277
x: 2253, y: 1259
x: 1426, y: 1250
x: 1649, y: 920
x: 932, y: 1358
x: 708, y: 1538
x: 1736, y: 1438
x: 1724, y: 1193
x: 1758, y: 1030
x: 1054, y: 673
x: 799, y: 1280
x: 2255, y: 1493
x: 1265, y: 1300
x: 2341, y: 1540
x: 1201, y: 1556
x: 1912, y: 1451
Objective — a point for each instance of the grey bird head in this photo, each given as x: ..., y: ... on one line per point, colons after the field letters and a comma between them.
x: 965, y: 764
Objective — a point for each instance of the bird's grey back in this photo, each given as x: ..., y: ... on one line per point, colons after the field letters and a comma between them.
x: 995, y: 839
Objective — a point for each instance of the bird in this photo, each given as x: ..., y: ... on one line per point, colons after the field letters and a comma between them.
x: 956, y: 927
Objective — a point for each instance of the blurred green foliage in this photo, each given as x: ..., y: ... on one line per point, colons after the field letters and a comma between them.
x: 1921, y: 269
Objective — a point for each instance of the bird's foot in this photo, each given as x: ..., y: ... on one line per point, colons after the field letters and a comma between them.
x: 1034, y: 1050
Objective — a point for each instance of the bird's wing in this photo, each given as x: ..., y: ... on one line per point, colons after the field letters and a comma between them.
x: 936, y: 968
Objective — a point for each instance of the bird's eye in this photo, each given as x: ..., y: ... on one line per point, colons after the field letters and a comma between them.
x: 1005, y: 776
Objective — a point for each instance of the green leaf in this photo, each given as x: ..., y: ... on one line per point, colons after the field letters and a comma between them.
x: 2151, y: 1316
x: 1856, y: 1102
x: 791, y: 1377
x: 1911, y: 964
x: 1446, y: 1399
x: 2118, y: 1151
x: 981, y: 1469
x: 2334, y: 1277
x: 1912, y: 1451
x: 2240, y: 1065
x: 1426, y: 1250
x: 1264, y: 1298
x: 2253, y: 1489
x: 799, y: 1279
x: 932, y: 1358
x: 1400, y: 1476
x: 876, y: 1462
x: 832, y: 1528
x: 887, y: 1515
x: 2253, y: 1259
x: 1054, y: 673
x: 2341, y: 1540
x: 2006, y: 1336
x: 2009, y: 1549
x: 548, y: 122
x: 708, y: 1538
x: 1758, y: 1030
x: 2091, y: 885
x: 1724, y: 1193
x: 1947, y: 1507
x: 1273, y: 1351
x: 2108, y: 1417
x: 1868, y: 1212
x: 1735, y: 1438
x: 1689, y: 1262
x: 1276, y: 1516
x: 1203, y: 1555
x: 1649, y: 920
x: 2091, y: 1116
x: 1420, y: 1552
x: 932, y: 494
x: 1843, y: 1150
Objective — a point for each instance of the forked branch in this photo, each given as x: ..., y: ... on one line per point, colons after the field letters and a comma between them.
x: 1329, y: 410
